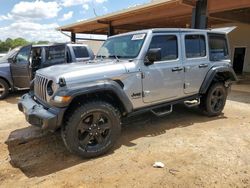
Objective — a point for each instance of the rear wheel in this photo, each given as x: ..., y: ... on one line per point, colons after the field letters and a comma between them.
x: 92, y: 129
x: 214, y: 101
x: 4, y: 89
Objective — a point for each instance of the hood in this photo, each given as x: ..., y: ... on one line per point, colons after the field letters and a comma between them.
x: 81, y: 72
x: 4, y: 64
x: 3, y: 61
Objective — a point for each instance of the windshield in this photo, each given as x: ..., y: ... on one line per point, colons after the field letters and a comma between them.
x: 128, y: 46
x: 10, y: 54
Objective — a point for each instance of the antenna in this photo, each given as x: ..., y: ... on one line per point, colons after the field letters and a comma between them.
x: 94, y: 12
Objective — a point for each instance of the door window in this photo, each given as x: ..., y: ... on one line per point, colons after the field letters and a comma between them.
x: 80, y: 52
x: 195, y: 46
x: 23, y: 55
x: 168, y: 45
x: 218, y: 47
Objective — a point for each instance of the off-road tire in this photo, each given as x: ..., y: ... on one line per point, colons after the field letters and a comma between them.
x: 4, y: 89
x: 76, y: 129
x: 213, y: 102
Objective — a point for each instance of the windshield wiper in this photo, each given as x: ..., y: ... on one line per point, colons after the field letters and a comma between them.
x: 101, y: 56
x: 115, y: 56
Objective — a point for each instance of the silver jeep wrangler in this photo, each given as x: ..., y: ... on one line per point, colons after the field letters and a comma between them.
x: 148, y: 70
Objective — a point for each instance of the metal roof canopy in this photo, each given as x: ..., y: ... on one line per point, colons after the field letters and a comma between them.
x: 162, y: 14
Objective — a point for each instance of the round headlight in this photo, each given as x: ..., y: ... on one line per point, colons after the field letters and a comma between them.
x: 50, y: 89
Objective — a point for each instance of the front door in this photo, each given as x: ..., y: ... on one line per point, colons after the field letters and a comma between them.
x: 20, y: 68
x: 196, y: 61
x: 163, y: 80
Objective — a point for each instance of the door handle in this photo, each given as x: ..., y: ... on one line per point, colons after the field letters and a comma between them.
x: 177, y: 69
x: 203, y: 65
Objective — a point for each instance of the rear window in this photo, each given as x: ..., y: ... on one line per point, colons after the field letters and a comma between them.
x: 218, y: 48
x: 195, y: 46
x: 80, y: 52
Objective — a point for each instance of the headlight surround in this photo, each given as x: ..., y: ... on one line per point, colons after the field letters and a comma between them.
x: 51, y: 88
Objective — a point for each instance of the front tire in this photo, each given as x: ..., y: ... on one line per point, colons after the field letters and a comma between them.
x: 92, y: 129
x: 213, y: 103
x: 4, y: 89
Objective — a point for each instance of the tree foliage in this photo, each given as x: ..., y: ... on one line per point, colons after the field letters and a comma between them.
x: 9, y: 43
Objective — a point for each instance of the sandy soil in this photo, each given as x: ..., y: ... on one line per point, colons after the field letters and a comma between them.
x: 197, y: 151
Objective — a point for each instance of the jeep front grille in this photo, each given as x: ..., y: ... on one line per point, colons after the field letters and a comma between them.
x: 40, y: 87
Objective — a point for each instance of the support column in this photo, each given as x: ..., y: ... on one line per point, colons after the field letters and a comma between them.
x: 200, y: 15
x: 110, y: 30
x: 73, y: 37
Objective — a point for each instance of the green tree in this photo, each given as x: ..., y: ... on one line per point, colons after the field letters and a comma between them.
x: 9, y: 43
x: 19, y: 42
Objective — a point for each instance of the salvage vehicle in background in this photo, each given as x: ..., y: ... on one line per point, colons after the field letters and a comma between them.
x: 148, y: 70
x: 2, y: 55
x: 18, y: 67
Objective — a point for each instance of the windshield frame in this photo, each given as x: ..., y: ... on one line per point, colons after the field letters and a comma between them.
x: 117, y: 56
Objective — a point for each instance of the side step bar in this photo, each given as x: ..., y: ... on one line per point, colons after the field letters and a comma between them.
x: 192, y: 103
x: 159, y: 112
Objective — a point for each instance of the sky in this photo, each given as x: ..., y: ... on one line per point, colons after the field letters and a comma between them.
x: 36, y: 20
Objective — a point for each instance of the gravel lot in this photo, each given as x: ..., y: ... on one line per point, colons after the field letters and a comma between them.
x: 197, y: 151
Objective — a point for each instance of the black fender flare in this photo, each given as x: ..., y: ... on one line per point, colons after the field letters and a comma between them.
x: 231, y: 76
x: 91, y: 88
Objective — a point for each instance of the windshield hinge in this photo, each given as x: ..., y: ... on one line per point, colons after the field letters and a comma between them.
x: 142, y: 75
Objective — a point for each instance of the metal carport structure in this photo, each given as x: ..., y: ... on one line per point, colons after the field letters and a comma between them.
x: 165, y: 13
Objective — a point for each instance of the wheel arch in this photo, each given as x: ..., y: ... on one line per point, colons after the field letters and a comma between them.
x: 7, y: 81
x: 110, y: 92
x: 218, y: 74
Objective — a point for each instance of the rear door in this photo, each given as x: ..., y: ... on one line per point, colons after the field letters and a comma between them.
x: 54, y: 55
x: 196, y: 61
x: 20, y: 68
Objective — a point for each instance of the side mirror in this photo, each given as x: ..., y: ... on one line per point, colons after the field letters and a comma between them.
x: 11, y: 60
x: 154, y: 54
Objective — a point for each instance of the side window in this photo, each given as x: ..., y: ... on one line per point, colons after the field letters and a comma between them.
x: 218, y: 48
x: 23, y: 55
x: 195, y: 46
x: 168, y: 45
x: 55, y: 54
x: 80, y: 52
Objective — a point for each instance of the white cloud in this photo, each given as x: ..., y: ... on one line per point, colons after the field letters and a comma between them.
x: 85, y: 7
x: 6, y: 17
x: 36, y: 10
x: 69, y: 3
x: 67, y: 16
x: 105, y: 9
x: 33, y: 32
x: 100, y: 1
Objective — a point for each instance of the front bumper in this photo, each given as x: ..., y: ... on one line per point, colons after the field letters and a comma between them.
x: 37, y: 115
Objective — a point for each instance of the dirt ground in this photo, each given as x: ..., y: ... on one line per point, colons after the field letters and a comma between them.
x: 197, y: 151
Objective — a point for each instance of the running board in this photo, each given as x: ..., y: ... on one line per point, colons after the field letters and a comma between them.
x: 159, y: 112
x: 192, y: 103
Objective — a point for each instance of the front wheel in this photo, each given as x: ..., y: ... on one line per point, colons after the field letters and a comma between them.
x: 92, y: 129
x: 213, y: 103
x: 4, y: 89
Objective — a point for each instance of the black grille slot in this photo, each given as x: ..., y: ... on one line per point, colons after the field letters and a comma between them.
x: 40, y: 87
